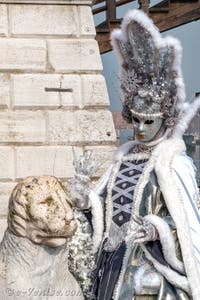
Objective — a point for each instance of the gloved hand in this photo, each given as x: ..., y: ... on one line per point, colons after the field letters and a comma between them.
x: 143, y: 231
x: 79, y: 191
x: 79, y: 185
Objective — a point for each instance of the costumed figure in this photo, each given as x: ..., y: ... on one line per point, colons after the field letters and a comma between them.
x: 151, y: 239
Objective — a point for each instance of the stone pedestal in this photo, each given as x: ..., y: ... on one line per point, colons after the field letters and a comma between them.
x: 52, y: 93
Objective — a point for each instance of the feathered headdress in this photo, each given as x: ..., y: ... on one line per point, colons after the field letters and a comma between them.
x: 150, y: 70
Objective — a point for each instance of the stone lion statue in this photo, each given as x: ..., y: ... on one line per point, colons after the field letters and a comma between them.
x: 33, y: 252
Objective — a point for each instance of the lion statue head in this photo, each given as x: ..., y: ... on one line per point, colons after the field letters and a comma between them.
x: 40, y: 210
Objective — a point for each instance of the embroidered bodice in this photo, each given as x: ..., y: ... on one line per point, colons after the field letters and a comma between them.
x: 123, y: 190
x: 119, y: 198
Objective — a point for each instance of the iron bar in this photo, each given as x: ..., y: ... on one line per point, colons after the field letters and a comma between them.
x: 60, y: 90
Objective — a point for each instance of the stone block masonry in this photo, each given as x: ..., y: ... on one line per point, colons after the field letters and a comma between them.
x: 53, y: 98
x: 22, y: 55
x: 3, y: 20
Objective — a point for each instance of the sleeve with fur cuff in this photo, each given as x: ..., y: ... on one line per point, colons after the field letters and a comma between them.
x: 97, y: 219
x: 167, y: 242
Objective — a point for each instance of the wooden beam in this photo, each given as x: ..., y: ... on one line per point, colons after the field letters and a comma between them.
x: 162, y: 6
x: 104, y: 39
x: 111, y: 10
x: 144, y: 5
x: 97, y: 1
x: 101, y: 1
x: 104, y: 7
x: 179, y: 14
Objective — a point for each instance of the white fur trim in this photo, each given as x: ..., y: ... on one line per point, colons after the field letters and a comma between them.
x: 173, y: 199
x: 187, y: 115
x: 167, y: 242
x: 109, y: 204
x: 116, y: 36
x: 173, y: 277
x: 101, y: 184
x: 97, y: 220
x: 123, y: 150
x: 140, y: 17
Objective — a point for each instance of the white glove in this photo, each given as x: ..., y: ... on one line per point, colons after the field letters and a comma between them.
x: 143, y: 232
x: 79, y: 185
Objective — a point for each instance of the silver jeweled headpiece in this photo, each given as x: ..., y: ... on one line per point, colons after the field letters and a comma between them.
x: 150, y: 73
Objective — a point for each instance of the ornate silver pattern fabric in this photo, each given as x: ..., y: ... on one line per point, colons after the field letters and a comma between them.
x: 150, y: 69
x: 81, y: 258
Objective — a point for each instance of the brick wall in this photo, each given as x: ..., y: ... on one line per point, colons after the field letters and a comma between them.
x: 44, y: 48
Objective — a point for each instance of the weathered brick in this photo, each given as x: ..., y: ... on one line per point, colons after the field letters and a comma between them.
x: 4, y: 91
x: 5, y: 192
x: 21, y: 54
x: 3, y: 226
x: 6, y: 163
x: 31, y: 91
x: 44, y: 20
x: 94, y: 90
x: 81, y: 127
x: 22, y: 127
x: 3, y: 20
x: 86, y: 21
x: 102, y: 156
x: 74, y: 55
x: 35, y: 161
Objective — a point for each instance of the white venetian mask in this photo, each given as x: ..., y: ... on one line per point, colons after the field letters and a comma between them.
x: 146, y: 127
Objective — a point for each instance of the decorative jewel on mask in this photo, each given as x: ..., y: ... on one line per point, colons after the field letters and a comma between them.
x: 169, y: 122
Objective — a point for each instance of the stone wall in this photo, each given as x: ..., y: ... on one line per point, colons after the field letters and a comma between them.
x: 52, y: 94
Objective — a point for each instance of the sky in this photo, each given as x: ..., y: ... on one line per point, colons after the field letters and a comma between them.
x: 188, y: 34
